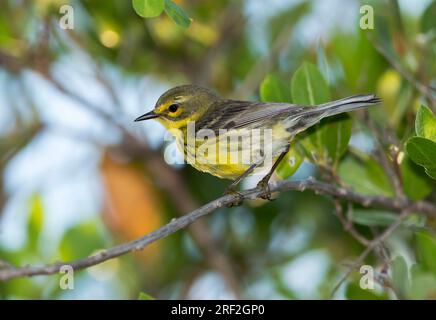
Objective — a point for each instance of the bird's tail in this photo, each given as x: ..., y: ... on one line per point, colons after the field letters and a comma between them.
x: 347, y: 104
x: 312, y: 115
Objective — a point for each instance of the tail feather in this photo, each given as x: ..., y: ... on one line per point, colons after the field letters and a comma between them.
x: 312, y: 115
x: 348, y: 104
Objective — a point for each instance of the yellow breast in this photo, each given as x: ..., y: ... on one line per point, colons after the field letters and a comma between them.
x: 230, y: 154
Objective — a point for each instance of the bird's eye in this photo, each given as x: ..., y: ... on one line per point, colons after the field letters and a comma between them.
x: 173, y: 108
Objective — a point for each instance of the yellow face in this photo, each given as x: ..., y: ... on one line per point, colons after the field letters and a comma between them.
x: 180, y: 105
x: 172, y: 113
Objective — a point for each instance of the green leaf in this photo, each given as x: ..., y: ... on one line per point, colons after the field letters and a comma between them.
x: 416, y: 184
x: 415, y: 220
x: 308, y: 86
x: 431, y: 172
x: 354, y: 292
x: 425, y: 124
x: 148, y: 8
x: 373, y: 217
x: 144, y: 296
x: 336, y: 134
x: 35, y: 222
x: 272, y: 89
x: 177, y: 14
x: 365, y: 176
x: 326, y: 142
x: 353, y: 51
x: 423, y: 152
x: 377, y: 175
x: 400, y: 276
x: 428, y: 21
x: 290, y: 163
x: 423, y: 284
x: 80, y: 241
x: 426, y: 246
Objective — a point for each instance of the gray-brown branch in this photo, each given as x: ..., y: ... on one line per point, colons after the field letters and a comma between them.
x: 176, y: 224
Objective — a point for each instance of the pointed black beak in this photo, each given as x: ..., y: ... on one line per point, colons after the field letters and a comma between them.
x: 147, y: 116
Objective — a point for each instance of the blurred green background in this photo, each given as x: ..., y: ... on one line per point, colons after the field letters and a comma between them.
x: 77, y: 175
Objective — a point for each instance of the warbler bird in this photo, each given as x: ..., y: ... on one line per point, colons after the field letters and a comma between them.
x: 182, y: 105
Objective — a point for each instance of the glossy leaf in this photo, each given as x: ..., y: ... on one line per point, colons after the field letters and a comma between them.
x: 416, y: 184
x: 177, y: 14
x: 308, y: 86
x: 431, y: 172
x: 290, y: 164
x: 423, y: 152
x: 336, y: 134
x: 400, y: 276
x: 426, y: 246
x: 148, y: 8
x: 272, y: 89
x: 425, y: 124
x: 365, y: 176
x: 326, y: 142
x: 422, y: 149
x: 353, y: 52
x: 373, y: 217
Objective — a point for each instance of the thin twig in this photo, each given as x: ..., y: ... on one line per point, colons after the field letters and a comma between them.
x: 389, y: 167
x: 5, y: 265
x: 251, y: 194
x: 373, y: 244
x: 348, y: 224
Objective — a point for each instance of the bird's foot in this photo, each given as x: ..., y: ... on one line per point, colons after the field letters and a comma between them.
x: 239, y: 198
x: 265, y: 190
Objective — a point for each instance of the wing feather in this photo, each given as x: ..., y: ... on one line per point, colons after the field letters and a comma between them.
x: 234, y: 114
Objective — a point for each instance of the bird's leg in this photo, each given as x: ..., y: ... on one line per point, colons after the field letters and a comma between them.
x: 241, y: 177
x: 231, y: 189
x: 263, y: 184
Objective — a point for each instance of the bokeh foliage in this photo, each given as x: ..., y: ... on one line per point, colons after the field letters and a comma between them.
x: 223, y: 45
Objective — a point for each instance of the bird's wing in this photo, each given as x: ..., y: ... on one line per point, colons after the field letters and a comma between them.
x: 234, y: 114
